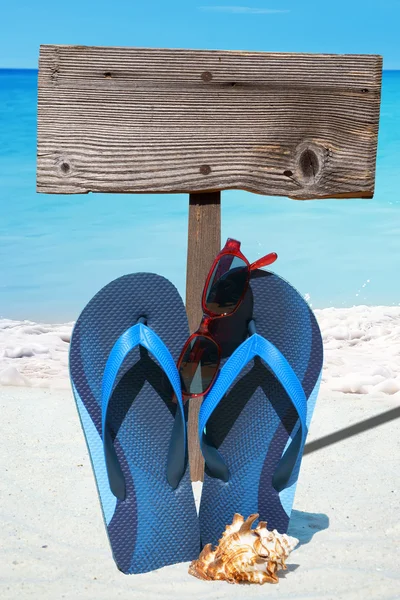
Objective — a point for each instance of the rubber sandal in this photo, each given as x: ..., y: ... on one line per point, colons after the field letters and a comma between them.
x: 124, y: 379
x: 253, y: 423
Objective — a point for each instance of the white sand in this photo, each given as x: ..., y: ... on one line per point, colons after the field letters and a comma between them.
x: 54, y: 545
x: 347, y: 510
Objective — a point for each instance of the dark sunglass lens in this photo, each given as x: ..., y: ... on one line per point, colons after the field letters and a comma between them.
x: 199, y: 365
x: 227, y: 283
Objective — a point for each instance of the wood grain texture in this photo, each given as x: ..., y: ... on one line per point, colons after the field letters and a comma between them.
x: 204, y: 243
x: 152, y: 120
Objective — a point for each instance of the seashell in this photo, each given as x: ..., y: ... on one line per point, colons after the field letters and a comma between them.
x: 244, y: 554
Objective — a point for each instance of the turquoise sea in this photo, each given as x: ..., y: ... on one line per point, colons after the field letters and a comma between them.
x: 57, y: 251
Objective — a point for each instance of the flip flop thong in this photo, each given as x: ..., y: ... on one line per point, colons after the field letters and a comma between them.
x: 253, y: 424
x: 124, y: 380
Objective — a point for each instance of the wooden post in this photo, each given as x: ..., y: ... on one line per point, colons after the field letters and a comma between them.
x: 204, y: 242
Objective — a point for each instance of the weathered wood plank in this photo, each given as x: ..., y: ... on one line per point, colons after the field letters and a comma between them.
x: 204, y: 243
x: 152, y: 120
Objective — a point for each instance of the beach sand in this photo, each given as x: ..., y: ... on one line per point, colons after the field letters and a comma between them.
x: 54, y: 544
x: 347, y: 507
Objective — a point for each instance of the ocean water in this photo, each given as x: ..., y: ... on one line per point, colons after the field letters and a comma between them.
x: 57, y: 251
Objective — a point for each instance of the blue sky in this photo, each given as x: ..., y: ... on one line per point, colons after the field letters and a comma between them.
x: 343, y: 26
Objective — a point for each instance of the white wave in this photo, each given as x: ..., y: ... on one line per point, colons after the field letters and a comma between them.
x: 34, y: 354
x: 361, y: 351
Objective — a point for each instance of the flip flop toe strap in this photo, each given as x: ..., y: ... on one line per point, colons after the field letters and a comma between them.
x: 254, y: 346
x: 141, y: 335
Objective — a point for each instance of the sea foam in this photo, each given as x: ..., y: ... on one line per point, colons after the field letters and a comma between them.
x: 361, y: 351
x: 34, y: 354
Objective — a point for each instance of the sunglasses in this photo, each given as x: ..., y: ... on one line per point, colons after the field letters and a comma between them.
x: 224, y: 290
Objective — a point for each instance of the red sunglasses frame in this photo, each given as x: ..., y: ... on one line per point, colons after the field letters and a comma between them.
x: 232, y: 248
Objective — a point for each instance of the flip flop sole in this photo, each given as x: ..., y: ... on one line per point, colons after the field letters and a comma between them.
x: 155, y: 525
x: 254, y: 422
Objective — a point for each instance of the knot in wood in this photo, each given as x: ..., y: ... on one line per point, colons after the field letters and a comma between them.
x: 309, y: 164
x: 310, y: 161
x: 63, y: 166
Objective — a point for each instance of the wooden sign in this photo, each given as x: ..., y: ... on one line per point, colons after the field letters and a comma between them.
x: 150, y: 120
x: 137, y: 120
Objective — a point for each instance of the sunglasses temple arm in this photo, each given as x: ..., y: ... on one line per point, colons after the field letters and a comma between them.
x: 264, y: 261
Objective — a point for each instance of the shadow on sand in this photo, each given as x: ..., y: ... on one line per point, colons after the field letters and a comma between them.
x: 304, y: 525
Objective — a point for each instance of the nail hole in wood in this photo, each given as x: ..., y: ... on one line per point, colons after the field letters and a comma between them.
x: 365, y: 90
x: 309, y: 164
x: 288, y: 173
x: 206, y: 76
x: 107, y: 75
x: 205, y: 169
x: 65, y: 168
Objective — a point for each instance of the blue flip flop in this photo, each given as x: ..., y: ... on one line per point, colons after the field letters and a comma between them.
x: 123, y: 354
x: 253, y: 423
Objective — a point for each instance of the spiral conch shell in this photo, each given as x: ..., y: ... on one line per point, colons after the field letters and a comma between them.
x: 245, y: 554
